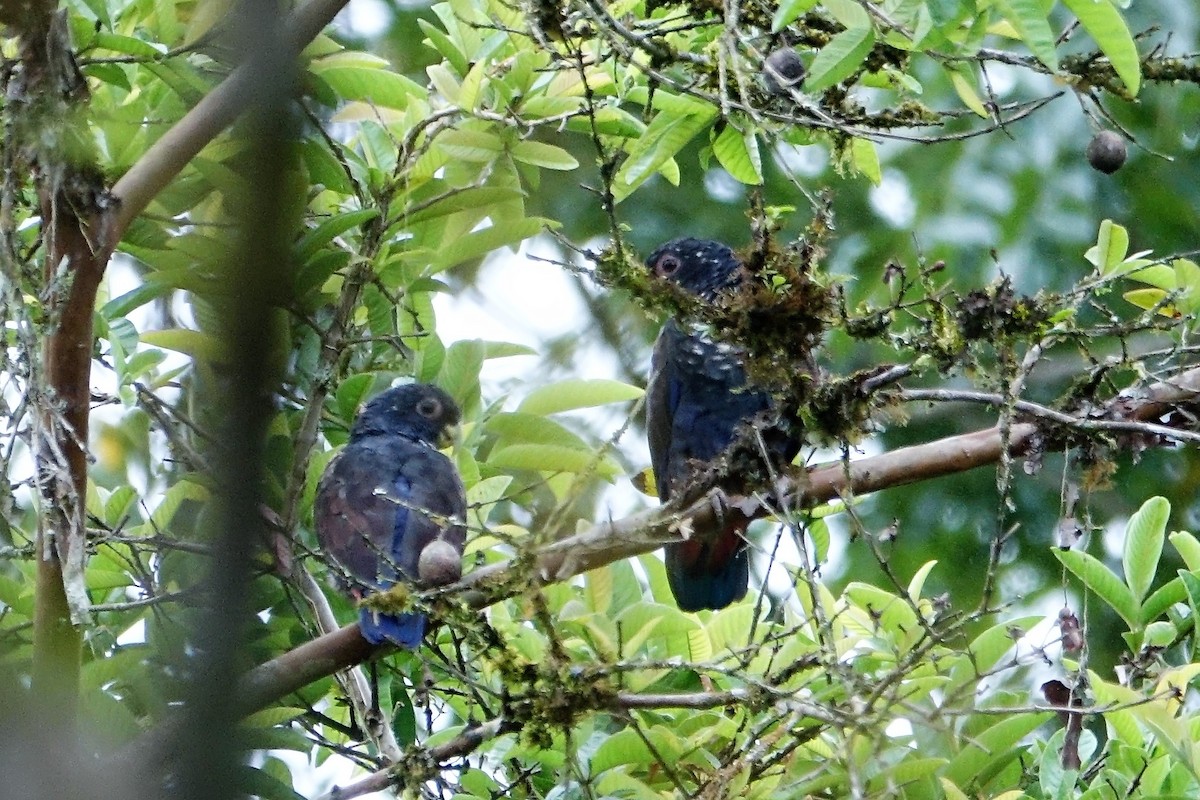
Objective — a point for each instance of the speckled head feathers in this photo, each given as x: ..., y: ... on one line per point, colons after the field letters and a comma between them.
x: 417, y: 410
x: 701, y: 266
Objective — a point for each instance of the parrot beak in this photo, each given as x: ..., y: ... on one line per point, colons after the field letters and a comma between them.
x: 451, y: 437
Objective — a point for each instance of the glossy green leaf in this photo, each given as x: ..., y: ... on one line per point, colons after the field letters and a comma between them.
x: 1104, y: 23
x: 330, y: 229
x: 517, y: 427
x: 665, y: 137
x: 1101, y: 580
x: 1172, y: 592
x: 1144, y: 538
x: 352, y: 393
x: 1112, y: 243
x: 577, y: 393
x: 985, y: 751
x: 376, y: 86
x: 787, y: 11
x: 965, y: 86
x: 459, y: 375
x: 200, y: 346
x: 841, y: 58
x: 543, y: 155
x: 1188, y: 548
x: 553, y: 458
x: 260, y: 784
x: 480, y: 242
x: 865, y: 159
x: 1029, y: 18
x: 471, y: 144
x: 737, y: 152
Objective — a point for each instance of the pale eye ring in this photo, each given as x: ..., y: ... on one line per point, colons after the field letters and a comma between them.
x: 667, y: 265
x: 429, y: 408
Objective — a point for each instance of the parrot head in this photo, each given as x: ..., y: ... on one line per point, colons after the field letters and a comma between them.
x: 417, y: 410
x: 701, y: 266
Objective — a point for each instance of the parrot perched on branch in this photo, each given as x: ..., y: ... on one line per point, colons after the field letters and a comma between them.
x: 697, y: 398
x: 390, y: 508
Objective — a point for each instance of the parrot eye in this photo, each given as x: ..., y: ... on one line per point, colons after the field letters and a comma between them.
x: 429, y: 408
x: 667, y: 265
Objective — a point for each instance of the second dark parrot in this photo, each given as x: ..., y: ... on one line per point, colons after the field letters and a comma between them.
x: 390, y: 507
x: 697, y: 399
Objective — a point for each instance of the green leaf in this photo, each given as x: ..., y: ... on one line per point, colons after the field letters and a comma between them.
x: 1187, y: 281
x: 1112, y: 243
x: 172, y: 499
x: 125, y: 45
x: 598, y: 587
x: 865, y: 158
x: 628, y: 746
x: 352, y: 393
x: 675, y: 634
x: 444, y: 82
x: 611, y: 121
x: 787, y: 11
x: 917, y: 584
x: 480, y: 242
x: 1144, y: 537
x: 1147, y: 299
x: 1159, y: 634
x: 470, y: 198
x: 1103, y: 582
x: 992, y: 748
x: 543, y: 155
x: 986, y: 650
x: 471, y: 144
x: 737, y: 152
x: 1106, y: 25
x: 1188, y: 548
x: 1172, y: 592
x: 460, y: 372
x: 259, y: 783
x: 666, y: 135
x: 200, y: 346
x: 494, y: 349
x: 840, y: 58
x: 330, y: 229
x: 376, y: 86
x: 519, y: 427
x: 849, y: 13
x: 276, y: 715
x: 119, y: 504
x: 577, y: 393
x: 442, y: 44
x: 553, y: 458
x: 964, y: 83
x: 1029, y: 18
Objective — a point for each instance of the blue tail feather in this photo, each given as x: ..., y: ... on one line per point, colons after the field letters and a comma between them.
x: 405, y: 630
x: 696, y: 587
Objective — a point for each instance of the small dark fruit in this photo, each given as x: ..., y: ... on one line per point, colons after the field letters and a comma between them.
x: 782, y: 71
x: 1106, y: 152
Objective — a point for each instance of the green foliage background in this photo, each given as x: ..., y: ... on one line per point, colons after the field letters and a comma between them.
x: 472, y: 126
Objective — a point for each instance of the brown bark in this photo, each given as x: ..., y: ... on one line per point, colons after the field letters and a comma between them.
x: 71, y: 195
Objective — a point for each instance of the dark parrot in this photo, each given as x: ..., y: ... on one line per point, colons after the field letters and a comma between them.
x: 696, y: 399
x: 390, y: 507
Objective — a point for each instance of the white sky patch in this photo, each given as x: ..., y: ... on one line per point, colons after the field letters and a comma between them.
x: 519, y: 300
x: 369, y: 18
x: 722, y: 186
x: 893, y: 201
x: 801, y: 161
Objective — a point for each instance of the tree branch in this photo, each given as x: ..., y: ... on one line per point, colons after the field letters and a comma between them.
x: 640, y: 533
x: 167, y: 157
